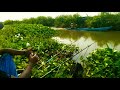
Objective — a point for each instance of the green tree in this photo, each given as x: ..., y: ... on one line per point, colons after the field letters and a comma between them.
x: 25, y: 21
x: 7, y: 22
x: 50, y: 21
x: 59, y: 21
x: 78, y: 20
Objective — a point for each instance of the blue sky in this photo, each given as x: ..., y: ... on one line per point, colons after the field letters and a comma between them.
x: 21, y: 15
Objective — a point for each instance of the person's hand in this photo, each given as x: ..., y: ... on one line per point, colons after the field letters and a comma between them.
x: 33, y: 59
x: 28, y: 52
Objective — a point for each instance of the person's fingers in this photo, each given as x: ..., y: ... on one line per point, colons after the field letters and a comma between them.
x: 36, y: 56
x: 31, y: 55
x: 30, y: 49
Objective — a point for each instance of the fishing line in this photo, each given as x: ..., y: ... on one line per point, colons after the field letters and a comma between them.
x: 52, y: 59
x: 70, y: 58
x: 57, y: 71
x: 53, y: 69
x: 83, y: 49
x: 86, y: 51
x: 54, y: 56
x: 65, y: 61
x: 49, y: 72
x: 81, y: 55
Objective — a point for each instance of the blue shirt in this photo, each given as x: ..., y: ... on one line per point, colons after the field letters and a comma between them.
x: 7, y: 65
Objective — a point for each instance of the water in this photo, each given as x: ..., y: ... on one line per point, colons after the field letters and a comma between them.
x: 82, y: 39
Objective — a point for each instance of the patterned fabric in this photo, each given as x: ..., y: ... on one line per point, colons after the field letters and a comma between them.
x: 7, y: 65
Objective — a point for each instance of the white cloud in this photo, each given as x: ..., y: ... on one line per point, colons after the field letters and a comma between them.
x: 21, y: 15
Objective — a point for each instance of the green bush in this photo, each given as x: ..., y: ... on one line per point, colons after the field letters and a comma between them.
x: 17, y: 36
x: 102, y: 63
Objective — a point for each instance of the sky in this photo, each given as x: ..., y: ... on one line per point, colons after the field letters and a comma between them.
x: 22, y: 15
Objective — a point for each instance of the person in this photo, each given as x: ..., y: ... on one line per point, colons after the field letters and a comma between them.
x: 1, y: 25
x: 8, y: 67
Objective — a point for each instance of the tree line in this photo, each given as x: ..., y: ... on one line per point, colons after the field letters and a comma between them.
x: 66, y: 21
x: 61, y: 21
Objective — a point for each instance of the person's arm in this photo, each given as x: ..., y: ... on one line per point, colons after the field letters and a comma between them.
x: 26, y: 73
x: 33, y: 59
x: 15, y: 52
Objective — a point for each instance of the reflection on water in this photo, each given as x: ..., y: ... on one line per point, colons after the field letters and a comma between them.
x: 84, y: 38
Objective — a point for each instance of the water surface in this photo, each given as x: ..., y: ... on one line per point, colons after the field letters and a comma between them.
x: 82, y: 39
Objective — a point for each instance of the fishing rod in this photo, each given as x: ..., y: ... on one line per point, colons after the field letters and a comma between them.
x: 84, y: 53
x: 70, y: 58
x: 53, y: 69
x: 66, y: 60
x: 54, y: 56
x: 84, y: 49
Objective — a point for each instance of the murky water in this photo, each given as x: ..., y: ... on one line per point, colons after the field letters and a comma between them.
x: 82, y: 39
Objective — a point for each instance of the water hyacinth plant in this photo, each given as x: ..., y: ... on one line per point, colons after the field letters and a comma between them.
x: 102, y: 63
x: 54, y: 59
